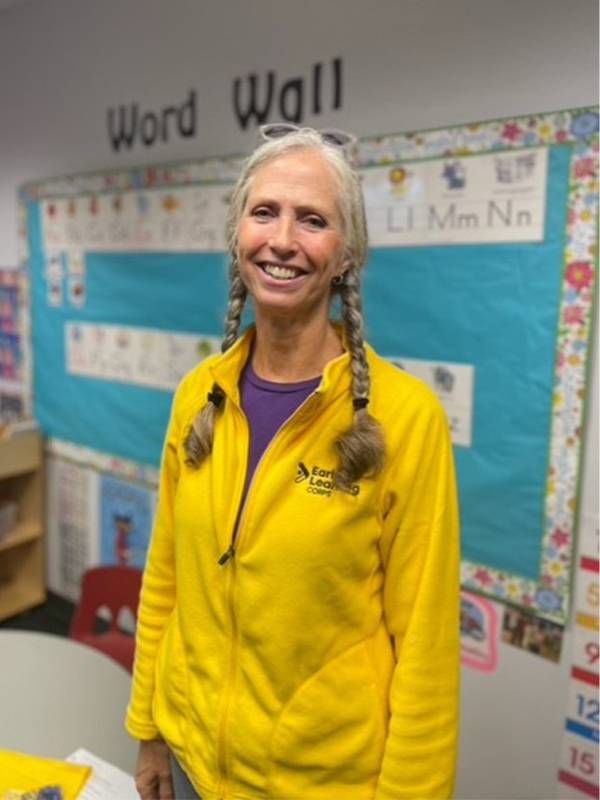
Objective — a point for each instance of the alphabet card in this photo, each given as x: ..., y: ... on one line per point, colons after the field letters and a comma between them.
x: 185, y: 219
x: 498, y: 197
x: 137, y: 356
x: 453, y: 384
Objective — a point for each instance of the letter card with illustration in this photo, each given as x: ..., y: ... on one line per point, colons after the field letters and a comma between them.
x: 480, y: 281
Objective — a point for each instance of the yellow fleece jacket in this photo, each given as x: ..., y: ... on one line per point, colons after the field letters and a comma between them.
x: 321, y: 660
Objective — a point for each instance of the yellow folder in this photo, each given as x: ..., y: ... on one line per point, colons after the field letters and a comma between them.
x: 20, y: 772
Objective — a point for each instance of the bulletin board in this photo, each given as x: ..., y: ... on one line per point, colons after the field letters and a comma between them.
x: 480, y: 280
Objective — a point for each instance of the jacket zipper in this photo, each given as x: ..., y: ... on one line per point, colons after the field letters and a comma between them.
x: 232, y: 667
x: 228, y: 555
x: 231, y: 550
x: 229, y: 688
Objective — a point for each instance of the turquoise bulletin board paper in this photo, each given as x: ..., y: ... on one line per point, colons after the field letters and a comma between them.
x: 494, y: 306
x: 516, y: 313
x: 158, y: 290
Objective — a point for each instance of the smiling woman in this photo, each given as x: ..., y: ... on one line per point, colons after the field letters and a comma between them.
x: 290, y: 242
x: 303, y: 330
x: 298, y: 625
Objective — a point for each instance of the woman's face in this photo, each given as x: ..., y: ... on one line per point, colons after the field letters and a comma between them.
x: 290, y: 238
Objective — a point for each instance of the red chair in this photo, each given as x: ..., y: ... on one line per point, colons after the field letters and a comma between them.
x: 114, y: 588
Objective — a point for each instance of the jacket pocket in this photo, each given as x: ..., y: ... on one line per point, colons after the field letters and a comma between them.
x: 330, y: 736
x: 170, y: 690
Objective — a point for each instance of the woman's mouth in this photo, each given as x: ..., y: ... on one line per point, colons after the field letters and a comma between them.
x: 280, y: 272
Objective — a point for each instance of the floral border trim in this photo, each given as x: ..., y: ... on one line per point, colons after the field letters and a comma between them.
x: 535, y: 130
x: 549, y: 596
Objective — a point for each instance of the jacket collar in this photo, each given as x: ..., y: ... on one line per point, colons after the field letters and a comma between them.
x: 227, y: 368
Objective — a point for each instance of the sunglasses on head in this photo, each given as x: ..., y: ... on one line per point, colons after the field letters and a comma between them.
x: 330, y: 136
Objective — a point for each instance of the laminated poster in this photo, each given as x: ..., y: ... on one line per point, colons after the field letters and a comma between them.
x: 9, y: 324
x: 478, y: 633
x: 125, y: 514
x: 12, y: 405
x: 534, y: 634
x: 72, y: 500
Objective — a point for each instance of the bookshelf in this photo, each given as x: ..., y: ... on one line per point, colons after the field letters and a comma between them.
x: 22, y: 556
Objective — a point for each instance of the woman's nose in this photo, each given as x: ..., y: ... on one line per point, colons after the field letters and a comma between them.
x: 283, y: 238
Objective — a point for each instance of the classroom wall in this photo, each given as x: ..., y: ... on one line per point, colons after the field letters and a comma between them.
x: 407, y: 64
x: 402, y: 65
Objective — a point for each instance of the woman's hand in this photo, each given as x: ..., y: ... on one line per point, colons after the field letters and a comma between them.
x: 153, y: 771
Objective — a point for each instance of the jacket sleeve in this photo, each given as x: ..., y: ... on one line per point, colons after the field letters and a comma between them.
x: 157, y: 598
x: 420, y: 552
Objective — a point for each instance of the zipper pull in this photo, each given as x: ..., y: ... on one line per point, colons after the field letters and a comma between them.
x: 229, y: 553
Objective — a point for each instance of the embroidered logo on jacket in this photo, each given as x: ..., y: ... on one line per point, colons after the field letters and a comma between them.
x: 319, y: 480
x: 302, y: 473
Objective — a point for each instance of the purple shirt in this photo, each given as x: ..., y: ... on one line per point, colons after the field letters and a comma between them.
x: 267, y: 405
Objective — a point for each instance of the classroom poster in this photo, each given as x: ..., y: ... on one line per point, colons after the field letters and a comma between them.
x: 72, y: 502
x: 11, y: 344
x: 478, y: 633
x: 125, y: 516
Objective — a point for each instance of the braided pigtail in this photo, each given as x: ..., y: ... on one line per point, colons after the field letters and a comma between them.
x: 237, y: 299
x: 199, y: 439
x: 361, y: 449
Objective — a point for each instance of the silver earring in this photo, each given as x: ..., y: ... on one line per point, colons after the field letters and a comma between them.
x: 338, y: 280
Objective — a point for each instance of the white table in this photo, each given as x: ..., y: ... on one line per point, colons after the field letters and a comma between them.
x: 57, y: 695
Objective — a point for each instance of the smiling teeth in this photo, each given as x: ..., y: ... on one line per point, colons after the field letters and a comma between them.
x: 281, y: 273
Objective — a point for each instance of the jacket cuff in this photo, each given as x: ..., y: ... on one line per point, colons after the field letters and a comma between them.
x: 141, y: 730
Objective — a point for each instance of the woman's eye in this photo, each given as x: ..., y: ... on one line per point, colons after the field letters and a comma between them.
x: 315, y: 222
x: 262, y: 212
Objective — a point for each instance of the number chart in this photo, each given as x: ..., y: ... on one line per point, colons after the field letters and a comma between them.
x: 578, y: 771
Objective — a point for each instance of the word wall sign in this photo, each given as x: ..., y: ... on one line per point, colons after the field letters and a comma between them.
x: 256, y: 100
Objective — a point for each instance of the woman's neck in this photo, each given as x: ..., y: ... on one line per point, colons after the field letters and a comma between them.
x: 286, y: 351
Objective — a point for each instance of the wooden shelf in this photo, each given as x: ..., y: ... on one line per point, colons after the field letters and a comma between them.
x: 19, y: 454
x: 23, y: 532
x: 22, y: 567
x: 17, y: 596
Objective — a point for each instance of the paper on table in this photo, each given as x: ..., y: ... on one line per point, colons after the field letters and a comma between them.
x: 107, y: 782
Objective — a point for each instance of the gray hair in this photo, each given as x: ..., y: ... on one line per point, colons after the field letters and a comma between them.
x: 361, y: 448
x: 351, y: 204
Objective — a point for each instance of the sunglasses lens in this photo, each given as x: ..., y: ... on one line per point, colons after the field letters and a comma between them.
x: 336, y: 138
x: 277, y: 131
x: 330, y: 136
